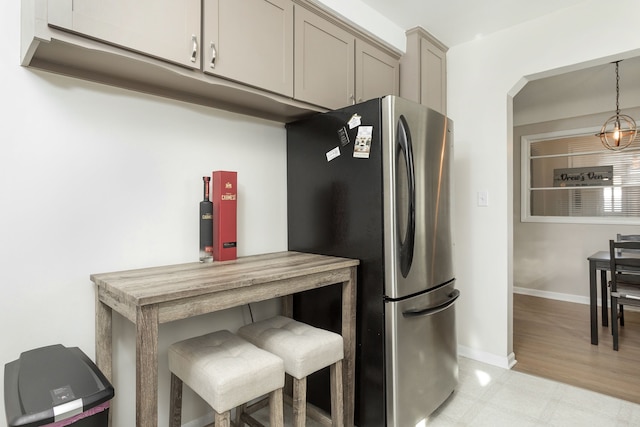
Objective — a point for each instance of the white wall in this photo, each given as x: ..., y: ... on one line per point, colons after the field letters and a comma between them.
x: 481, y: 76
x: 96, y: 179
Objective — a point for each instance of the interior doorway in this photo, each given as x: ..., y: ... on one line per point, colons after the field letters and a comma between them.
x: 549, y: 258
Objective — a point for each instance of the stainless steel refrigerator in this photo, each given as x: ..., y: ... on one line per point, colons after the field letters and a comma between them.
x: 372, y: 181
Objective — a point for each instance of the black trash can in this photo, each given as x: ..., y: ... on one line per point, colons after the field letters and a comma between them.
x: 56, y: 386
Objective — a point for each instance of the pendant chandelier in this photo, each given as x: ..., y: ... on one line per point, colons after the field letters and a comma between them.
x: 619, y: 131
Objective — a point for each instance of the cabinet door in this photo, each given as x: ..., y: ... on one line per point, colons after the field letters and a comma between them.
x: 166, y: 29
x: 324, y: 61
x: 250, y: 41
x: 433, y: 77
x: 377, y: 74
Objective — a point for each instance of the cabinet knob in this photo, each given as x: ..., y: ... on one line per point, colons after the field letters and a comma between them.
x: 194, y: 51
x: 212, y: 64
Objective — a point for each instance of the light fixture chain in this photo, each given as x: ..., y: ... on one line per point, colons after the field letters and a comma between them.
x: 617, y: 90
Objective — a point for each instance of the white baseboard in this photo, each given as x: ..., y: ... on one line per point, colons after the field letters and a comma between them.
x: 552, y: 295
x: 509, y: 361
x: 563, y: 297
x: 488, y: 358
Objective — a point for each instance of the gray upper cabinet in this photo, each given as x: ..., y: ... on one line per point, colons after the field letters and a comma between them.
x: 324, y: 61
x: 423, y: 72
x: 377, y: 73
x: 433, y: 91
x: 165, y: 29
x: 250, y: 41
x: 276, y: 59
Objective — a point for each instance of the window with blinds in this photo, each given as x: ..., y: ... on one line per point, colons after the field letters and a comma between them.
x: 571, y: 177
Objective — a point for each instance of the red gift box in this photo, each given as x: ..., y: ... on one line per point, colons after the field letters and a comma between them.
x: 224, y: 215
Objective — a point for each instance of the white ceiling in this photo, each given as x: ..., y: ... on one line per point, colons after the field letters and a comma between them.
x: 459, y: 21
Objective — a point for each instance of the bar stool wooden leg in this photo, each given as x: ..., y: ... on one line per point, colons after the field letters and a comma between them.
x: 276, y: 412
x: 299, y: 402
x: 337, y: 397
x: 175, y: 406
x: 222, y: 420
x: 239, y: 411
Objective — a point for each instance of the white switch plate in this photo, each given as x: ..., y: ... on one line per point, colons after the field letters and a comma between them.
x: 483, y: 198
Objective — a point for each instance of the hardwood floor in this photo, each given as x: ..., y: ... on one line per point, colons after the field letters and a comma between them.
x: 551, y: 339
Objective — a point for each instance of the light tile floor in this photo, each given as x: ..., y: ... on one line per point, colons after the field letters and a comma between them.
x: 488, y: 396
x: 492, y: 396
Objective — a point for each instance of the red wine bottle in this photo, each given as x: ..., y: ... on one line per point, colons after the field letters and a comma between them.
x: 206, y: 224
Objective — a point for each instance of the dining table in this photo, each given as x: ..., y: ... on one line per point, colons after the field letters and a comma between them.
x: 152, y: 296
x: 600, y: 262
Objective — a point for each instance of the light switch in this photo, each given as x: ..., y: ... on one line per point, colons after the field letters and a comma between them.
x: 483, y: 198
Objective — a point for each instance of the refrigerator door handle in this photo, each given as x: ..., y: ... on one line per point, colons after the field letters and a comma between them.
x: 404, y: 147
x: 453, y: 296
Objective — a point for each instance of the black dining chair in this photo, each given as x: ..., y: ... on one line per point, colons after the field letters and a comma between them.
x: 627, y: 238
x: 625, y: 280
x: 624, y: 238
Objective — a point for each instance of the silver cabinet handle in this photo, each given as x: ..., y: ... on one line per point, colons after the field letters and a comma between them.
x: 213, y: 55
x: 194, y: 52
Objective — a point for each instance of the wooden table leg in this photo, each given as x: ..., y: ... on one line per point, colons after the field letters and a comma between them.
x: 349, y: 335
x: 147, y: 366
x: 593, y: 302
x: 287, y: 305
x: 604, y: 295
x: 104, y: 340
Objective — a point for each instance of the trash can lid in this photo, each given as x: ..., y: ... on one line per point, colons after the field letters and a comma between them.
x: 52, y: 383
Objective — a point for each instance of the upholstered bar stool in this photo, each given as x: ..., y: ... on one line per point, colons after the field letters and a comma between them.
x: 304, y: 349
x: 227, y: 372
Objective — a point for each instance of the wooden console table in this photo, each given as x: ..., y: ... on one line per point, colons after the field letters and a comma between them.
x: 151, y: 296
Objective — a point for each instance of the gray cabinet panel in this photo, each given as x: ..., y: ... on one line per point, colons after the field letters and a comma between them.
x: 324, y: 61
x: 433, y: 77
x: 377, y: 74
x: 165, y: 29
x: 250, y: 41
x: 423, y: 70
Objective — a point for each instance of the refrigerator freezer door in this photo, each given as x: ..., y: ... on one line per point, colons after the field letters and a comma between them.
x: 421, y: 355
x: 417, y: 225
